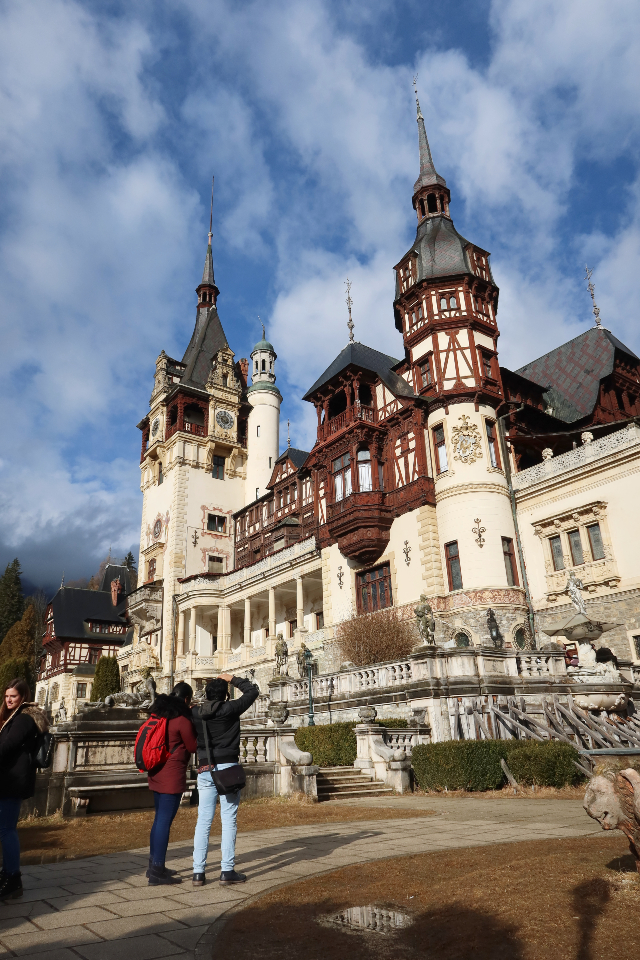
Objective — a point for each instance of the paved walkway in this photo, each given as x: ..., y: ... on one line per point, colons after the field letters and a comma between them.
x: 102, y: 908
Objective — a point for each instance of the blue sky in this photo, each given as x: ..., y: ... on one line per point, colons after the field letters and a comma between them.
x: 113, y: 117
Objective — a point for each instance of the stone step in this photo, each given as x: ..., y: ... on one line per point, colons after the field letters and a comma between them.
x: 353, y: 794
x: 347, y: 778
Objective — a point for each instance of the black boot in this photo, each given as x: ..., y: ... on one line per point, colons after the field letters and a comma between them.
x: 171, y: 873
x: 230, y: 876
x: 158, y: 874
x: 199, y: 880
x: 11, y: 886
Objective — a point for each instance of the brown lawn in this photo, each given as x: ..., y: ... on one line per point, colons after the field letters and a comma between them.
x: 575, y: 899
x: 46, y: 840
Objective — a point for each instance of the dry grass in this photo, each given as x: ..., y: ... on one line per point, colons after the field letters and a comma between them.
x: 574, y: 899
x: 376, y: 637
x: 508, y: 793
x: 49, y: 839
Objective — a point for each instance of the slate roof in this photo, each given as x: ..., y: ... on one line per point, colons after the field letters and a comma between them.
x: 207, y: 274
x: 440, y: 250
x: 571, y: 373
x: 366, y: 358
x: 208, y: 337
x: 73, y: 607
x: 116, y: 571
x: 296, y: 456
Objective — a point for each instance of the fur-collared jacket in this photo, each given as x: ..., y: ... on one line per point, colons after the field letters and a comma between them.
x: 172, y: 775
x: 19, y: 740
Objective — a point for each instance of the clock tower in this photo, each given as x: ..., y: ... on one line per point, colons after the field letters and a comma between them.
x: 446, y: 308
x: 193, y: 478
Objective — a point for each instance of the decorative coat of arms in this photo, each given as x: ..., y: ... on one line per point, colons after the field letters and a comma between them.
x: 466, y: 441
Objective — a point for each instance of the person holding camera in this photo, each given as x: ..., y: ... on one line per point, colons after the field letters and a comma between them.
x: 22, y: 725
x: 217, y: 723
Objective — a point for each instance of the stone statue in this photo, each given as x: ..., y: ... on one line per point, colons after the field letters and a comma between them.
x: 61, y: 715
x: 301, y: 660
x: 613, y: 799
x: 282, y: 657
x: 425, y: 620
x: 150, y: 687
x: 573, y: 588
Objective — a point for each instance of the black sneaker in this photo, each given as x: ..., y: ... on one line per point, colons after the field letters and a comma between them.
x: 199, y: 880
x: 230, y: 876
x: 11, y: 886
x: 159, y: 875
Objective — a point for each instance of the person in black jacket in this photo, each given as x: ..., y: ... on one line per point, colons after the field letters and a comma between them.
x: 21, y: 726
x: 219, y: 718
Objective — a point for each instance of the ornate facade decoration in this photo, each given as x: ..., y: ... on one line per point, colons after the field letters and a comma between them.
x: 466, y: 442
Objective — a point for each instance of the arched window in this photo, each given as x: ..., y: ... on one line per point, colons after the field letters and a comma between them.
x: 432, y: 203
x: 160, y: 474
x: 421, y: 208
x: 364, y: 471
x: 462, y: 639
x: 256, y: 366
x: 443, y: 303
x: 341, y: 469
x: 264, y: 365
x: 453, y: 303
x: 225, y: 380
x: 519, y: 638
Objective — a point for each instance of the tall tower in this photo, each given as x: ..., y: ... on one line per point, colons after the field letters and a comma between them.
x: 446, y: 308
x: 263, y: 427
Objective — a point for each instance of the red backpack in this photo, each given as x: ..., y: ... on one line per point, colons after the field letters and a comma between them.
x: 152, y: 744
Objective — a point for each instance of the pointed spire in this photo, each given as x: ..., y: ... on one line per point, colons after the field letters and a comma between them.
x: 288, y: 435
x: 592, y: 291
x: 207, y: 273
x: 349, y: 302
x: 428, y: 173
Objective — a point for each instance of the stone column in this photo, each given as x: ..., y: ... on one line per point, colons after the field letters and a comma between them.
x: 180, y: 646
x: 227, y: 628
x: 247, y: 622
x: 221, y: 628
x: 192, y: 630
x: 299, y: 603
x: 272, y: 612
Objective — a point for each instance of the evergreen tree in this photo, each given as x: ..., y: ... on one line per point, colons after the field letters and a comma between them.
x: 19, y: 642
x: 11, y: 598
x: 129, y: 561
x: 14, y: 669
x: 106, y: 680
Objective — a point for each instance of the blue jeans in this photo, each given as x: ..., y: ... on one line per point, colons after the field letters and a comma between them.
x: 228, y: 814
x: 166, y: 805
x: 9, y: 813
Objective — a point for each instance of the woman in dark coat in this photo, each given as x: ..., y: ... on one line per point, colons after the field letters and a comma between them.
x: 21, y: 726
x: 169, y: 782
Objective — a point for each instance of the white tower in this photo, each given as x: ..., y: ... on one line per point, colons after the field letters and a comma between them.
x: 263, y: 427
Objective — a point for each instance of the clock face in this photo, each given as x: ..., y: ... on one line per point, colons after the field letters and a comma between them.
x: 225, y: 419
x: 155, y: 426
x: 157, y: 529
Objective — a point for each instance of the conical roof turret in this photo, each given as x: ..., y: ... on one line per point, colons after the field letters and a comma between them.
x: 428, y: 175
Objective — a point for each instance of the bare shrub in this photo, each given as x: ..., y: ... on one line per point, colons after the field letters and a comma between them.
x: 376, y: 637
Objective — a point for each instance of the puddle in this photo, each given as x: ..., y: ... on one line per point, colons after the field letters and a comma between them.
x: 373, y: 918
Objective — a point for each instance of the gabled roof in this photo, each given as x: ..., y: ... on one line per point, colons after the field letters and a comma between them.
x: 119, y: 572
x: 208, y: 337
x: 358, y: 355
x: 571, y: 373
x: 296, y: 456
x: 73, y: 608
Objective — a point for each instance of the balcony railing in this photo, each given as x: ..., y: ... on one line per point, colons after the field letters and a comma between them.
x: 194, y: 428
x: 353, y: 414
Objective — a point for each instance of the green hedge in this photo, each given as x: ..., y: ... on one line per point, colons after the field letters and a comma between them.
x: 331, y: 744
x: 544, y: 764
x: 394, y: 723
x: 475, y: 764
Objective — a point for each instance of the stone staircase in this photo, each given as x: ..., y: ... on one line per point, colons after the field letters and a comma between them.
x: 345, y: 783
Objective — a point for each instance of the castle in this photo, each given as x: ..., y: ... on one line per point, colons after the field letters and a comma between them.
x: 440, y: 473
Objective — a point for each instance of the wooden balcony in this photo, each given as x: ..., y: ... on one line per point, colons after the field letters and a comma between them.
x: 354, y: 414
x: 361, y: 524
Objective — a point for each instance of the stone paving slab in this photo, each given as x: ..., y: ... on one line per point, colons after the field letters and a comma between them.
x: 102, y: 908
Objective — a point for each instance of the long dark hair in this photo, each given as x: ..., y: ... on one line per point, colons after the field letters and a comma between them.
x: 23, y: 689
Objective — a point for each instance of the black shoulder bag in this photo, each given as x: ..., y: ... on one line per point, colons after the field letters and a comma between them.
x: 226, y: 781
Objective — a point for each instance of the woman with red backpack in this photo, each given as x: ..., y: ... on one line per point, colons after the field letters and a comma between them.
x: 168, y: 781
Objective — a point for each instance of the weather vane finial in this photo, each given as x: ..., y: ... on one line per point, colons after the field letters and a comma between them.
x: 264, y: 332
x: 415, y: 87
x: 592, y: 291
x: 349, y: 303
x: 211, y: 213
x: 288, y: 435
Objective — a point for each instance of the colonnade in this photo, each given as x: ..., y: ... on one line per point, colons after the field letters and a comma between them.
x: 221, y: 641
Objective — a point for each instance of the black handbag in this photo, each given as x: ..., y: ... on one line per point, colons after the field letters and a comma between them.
x: 44, y: 751
x: 226, y: 781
